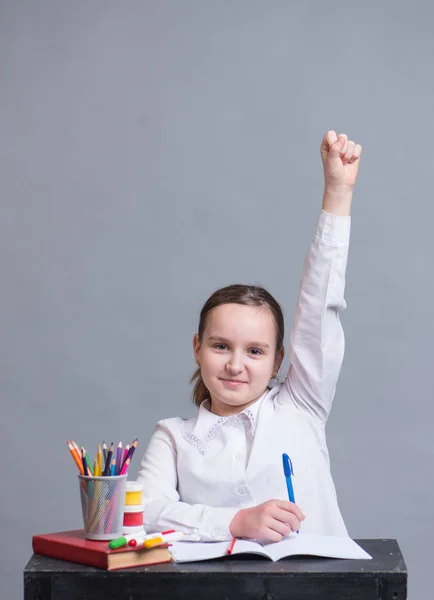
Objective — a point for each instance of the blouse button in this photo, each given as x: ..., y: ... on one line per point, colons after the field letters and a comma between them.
x: 234, y: 421
x: 238, y: 456
x: 242, y: 490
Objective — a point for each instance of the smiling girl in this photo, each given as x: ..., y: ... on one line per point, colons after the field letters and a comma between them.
x: 219, y: 474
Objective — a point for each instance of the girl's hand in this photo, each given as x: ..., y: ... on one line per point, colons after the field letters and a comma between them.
x: 340, y: 157
x: 271, y: 520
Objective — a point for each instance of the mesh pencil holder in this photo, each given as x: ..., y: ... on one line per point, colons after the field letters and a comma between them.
x: 102, y: 504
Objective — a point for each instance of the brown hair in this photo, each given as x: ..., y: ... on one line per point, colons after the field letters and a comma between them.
x: 249, y: 295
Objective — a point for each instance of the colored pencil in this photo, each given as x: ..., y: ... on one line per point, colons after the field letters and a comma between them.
x: 89, y: 464
x: 94, y: 504
x: 104, y: 451
x: 118, y: 458
x: 83, y: 460
x: 124, y: 458
x: 108, y: 461
x: 76, y: 450
x: 77, y: 460
x: 131, y: 450
x: 113, y: 464
x: 99, y: 460
x: 231, y: 546
x: 125, y: 467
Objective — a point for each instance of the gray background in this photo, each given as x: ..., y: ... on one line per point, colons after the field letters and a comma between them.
x: 151, y: 152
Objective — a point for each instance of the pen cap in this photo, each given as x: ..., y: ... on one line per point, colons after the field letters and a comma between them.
x: 117, y: 543
x: 287, y: 465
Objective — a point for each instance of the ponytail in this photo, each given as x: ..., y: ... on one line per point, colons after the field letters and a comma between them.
x: 200, y: 391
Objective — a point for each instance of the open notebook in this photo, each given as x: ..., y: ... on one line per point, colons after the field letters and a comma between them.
x: 303, y: 544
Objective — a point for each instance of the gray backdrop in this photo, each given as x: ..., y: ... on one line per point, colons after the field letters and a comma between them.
x: 152, y: 151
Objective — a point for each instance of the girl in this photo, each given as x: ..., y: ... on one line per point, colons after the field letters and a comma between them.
x: 220, y: 474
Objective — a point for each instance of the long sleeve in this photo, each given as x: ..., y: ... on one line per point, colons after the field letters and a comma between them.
x: 317, y: 339
x: 163, y: 508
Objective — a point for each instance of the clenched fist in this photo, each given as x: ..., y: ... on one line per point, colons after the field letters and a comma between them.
x: 340, y: 158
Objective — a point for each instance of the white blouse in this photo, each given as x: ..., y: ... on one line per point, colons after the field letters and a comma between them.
x: 199, y: 472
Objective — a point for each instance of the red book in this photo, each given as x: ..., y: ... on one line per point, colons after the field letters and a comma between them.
x: 72, y: 546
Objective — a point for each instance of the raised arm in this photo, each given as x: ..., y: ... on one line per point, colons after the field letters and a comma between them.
x: 163, y: 507
x: 317, y: 339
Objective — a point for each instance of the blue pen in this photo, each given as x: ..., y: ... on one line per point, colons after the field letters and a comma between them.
x: 288, y: 470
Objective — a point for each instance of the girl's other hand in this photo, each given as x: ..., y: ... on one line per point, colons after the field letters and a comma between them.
x: 271, y: 520
x: 340, y: 157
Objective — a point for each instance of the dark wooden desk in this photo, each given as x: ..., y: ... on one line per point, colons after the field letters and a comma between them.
x: 232, y: 578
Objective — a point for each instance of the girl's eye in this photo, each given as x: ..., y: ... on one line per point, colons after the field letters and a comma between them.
x: 256, y: 351
x: 220, y: 346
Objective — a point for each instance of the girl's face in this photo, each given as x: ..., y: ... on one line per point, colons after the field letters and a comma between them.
x: 237, y: 355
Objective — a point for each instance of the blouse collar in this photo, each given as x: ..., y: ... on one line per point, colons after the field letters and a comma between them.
x: 202, y: 429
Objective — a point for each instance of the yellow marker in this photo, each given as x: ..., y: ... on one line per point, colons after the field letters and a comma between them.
x: 156, y: 541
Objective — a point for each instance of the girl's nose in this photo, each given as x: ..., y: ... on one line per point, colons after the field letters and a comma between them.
x: 234, y: 364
